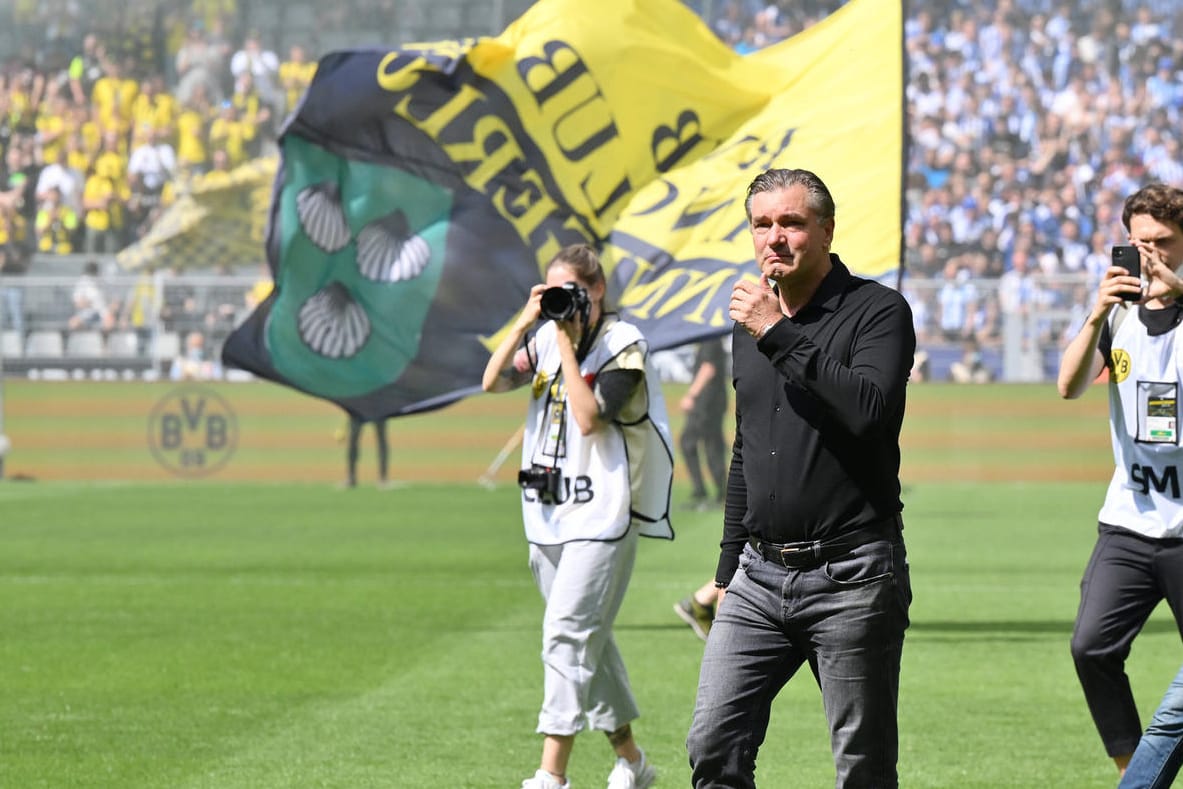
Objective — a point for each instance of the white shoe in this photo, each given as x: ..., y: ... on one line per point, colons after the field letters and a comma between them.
x: 544, y: 780
x: 627, y: 775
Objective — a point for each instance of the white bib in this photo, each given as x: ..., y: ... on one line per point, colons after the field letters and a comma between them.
x: 1145, y: 494
x: 618, y: 476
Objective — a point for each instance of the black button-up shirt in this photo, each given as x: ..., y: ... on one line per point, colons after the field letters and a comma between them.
x: 819, y: 402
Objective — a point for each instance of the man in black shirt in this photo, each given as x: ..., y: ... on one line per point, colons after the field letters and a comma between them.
x: 812, y: 558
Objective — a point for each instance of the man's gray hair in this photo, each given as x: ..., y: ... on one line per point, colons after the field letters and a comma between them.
x: 821, y: 202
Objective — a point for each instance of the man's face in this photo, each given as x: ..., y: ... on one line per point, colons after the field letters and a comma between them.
x: 1166, y: 237
x: 790, y: 242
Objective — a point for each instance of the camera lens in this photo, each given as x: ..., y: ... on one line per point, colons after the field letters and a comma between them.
x: 557, y: 304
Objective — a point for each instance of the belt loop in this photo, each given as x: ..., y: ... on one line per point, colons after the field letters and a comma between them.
x: 815, y: 551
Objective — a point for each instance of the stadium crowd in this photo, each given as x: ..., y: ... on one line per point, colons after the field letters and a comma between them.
x: 1029, y: 122
x: 99, y: 133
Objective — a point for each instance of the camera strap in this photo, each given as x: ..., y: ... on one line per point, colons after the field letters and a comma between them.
x: 554, y: 436
x: 588, y: 339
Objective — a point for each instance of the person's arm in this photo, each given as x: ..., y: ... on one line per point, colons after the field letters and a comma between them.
x: 858, y: 395
x: 735, y: 534
x: 509, y: 364
x: 1082, y: 361
x: 855, y: 395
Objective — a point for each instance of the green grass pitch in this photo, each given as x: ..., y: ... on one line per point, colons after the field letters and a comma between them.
x: 273, y: 631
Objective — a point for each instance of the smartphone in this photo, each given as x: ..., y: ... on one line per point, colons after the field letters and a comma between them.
x: 1130, y: 259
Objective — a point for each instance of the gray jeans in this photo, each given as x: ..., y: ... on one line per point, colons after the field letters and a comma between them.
x: 585, y: 683
x: 846, y: 618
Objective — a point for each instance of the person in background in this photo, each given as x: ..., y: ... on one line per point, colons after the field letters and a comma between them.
x: 295, y: 75
x: 356, y: 423
x: 970, y: 368
x: 597, y: 471
x: 704, y: 405
x: 1138, y: 557
x: 90, y: 303
x: 192, y: 364
x: 698, y: 610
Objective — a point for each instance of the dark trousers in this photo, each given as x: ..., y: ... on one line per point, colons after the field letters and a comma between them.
x: 355, y: 426
x: 846, y: 619
x: 1125, y: 579
x: 704, y: 430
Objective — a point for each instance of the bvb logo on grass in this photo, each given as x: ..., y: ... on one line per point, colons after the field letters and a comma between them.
x: 192, y: 431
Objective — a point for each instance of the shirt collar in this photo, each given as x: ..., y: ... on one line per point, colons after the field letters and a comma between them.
x: 829, y: 293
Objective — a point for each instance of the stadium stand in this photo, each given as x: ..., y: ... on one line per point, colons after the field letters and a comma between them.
x: 166, y: 345
x: 1029, y: 120
x: 44, y: 343
x: 11, y: 344
x: 85, y: 344
x: 123, y: 344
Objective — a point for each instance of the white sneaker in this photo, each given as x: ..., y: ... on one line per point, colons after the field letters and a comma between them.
x: 626, y: 775
x: 544, y: 780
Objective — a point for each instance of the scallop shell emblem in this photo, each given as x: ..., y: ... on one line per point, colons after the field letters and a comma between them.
x: 388, y: 252
x: 321, y: 216
x: 332, y: 324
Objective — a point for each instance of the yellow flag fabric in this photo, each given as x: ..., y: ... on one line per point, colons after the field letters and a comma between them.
x: 423, y: 189
x: 218, y: 220
x: 832, y: 103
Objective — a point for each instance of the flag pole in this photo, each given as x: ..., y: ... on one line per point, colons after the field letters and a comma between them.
x: 486, y: 479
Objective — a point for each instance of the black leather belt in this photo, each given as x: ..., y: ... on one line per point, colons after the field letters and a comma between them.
x: 811, y: 553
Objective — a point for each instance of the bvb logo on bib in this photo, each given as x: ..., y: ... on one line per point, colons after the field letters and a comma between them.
x: 1121, y: 364
x: 539, y: 385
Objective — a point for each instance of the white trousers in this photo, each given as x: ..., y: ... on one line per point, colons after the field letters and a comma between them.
x: 585, y: 681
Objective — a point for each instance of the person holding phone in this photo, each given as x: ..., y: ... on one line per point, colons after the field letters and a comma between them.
x: 1138, y: 557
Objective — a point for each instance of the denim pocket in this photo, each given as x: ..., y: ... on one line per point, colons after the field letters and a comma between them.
x: 861, y: 566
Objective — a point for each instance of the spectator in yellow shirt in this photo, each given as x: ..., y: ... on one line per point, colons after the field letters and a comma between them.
x: 77, y: 158
x: 253, y: 111
x: 112, y: 160
x: 295, y: 75
x: 57, y: 224
x: 102, y: 206
x: 82, y: 120
x: 154, y: 110
x: 112, y: 97
x: 228, y: 133
x: 192, y: 133
x: 24, y: 95
x: 52, y: 123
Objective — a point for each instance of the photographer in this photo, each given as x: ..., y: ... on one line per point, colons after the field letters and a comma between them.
x: 596, y: 474
x: 1138, y: 557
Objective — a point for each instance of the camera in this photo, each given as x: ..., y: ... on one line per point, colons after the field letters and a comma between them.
x: 547, y: 481
x: 560, y: 303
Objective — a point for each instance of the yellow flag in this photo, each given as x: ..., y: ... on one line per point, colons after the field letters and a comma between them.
x: 423, y: 189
